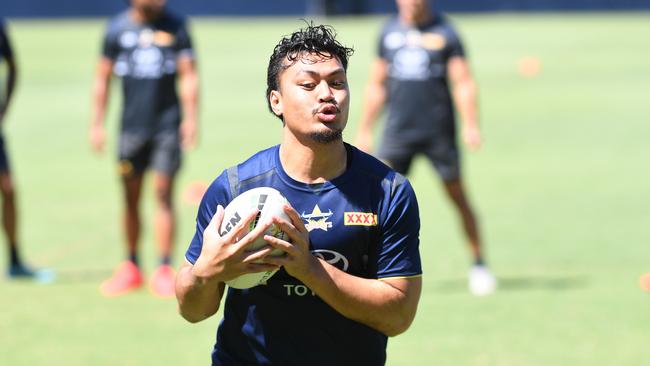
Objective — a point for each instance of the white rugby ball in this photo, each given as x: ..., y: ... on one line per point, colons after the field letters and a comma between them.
x: 270, y: 202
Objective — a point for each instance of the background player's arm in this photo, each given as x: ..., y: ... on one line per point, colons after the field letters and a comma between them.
x: 189, y: 94
x: 374, y: 100
x: 387, y: 305
x: 101, y: 87
x: 464, y: 91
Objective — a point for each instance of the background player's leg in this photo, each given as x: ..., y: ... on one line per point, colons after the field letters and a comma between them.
x: 457, y: 195
x: 443, y: 154
x: 132, y: 188
x: 16, y: 267
x: 165, y: 219
x: 127, y: 276
x: 162, y: 281
x: 8, y: 208
x: 481, y: 281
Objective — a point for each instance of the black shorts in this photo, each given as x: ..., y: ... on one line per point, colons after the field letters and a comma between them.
x: 441, y: 151
x: 4, y: 159
x: 162, y: 153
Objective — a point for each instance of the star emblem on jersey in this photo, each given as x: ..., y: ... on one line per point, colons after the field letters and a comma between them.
x: 317, y: 219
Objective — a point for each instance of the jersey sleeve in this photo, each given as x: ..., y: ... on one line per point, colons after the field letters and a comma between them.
x: 110, y: 45
x: 399, y: 254
x: 381, y: 45
x: 454, y: 44
x: 5, y: 44
x: 217, y: 194
x: 183, y: 45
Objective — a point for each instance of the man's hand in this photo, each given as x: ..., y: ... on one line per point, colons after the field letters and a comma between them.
x: 189, y: 132
x: 224, y: 258
x: 298, y: 260
x: 97, y: 137
x: 472, y: 137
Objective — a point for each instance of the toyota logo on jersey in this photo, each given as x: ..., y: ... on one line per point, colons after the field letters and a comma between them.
x: 336, y: 259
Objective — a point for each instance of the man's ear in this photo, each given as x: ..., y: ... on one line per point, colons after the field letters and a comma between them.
x: 275, y: 98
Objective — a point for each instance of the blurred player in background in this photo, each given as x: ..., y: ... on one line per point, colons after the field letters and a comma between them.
x: 148, y: 47
x: 320, y: 8
x: 8, y: 74
x: 419, y: 55
x: 351, y: 274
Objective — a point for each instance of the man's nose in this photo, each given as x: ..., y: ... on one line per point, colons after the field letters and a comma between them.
x: 325, y: 92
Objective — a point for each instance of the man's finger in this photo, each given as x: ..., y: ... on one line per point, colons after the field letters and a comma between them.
x: 280, y: 244
x: 252, y: 236
x: 289, y: 229
x: 278, y: 261
x: 260, y: 267
x: 217, y: 218
x: 257, y: 254
x: 296, y: 220
x: 241, y: 229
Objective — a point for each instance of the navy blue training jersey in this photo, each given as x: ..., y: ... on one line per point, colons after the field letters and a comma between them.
x: 144, y: 56
x: 6, y: 53
x: 365, y: 222
x: 419, y: 102
x: 5, y: 46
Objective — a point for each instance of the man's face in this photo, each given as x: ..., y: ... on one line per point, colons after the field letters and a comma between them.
x: 411, y: 9
x: 150, y: 8
x: 313, y: 99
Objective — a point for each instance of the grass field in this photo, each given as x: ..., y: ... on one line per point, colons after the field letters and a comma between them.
x: 562, y: 188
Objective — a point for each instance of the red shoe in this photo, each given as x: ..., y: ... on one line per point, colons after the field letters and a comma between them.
x: 126, y: 278
x: 163, y: 282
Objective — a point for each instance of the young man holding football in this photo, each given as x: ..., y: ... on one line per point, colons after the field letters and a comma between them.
x: 148, y: 47
x: 350, y: 276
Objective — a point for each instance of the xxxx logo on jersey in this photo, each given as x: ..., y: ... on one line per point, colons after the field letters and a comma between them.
x: 359, y: 219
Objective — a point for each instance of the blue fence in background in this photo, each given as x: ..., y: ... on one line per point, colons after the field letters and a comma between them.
x: 79, y: 8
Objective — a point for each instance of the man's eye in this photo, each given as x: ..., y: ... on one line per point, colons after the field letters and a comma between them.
x: 338, y: 83
x: 308, y: 85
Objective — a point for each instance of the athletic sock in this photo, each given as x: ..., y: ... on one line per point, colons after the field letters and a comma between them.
x: 13, y: 255
x: 165, y: 260
x: 479, y: 261
x: 134, y: 259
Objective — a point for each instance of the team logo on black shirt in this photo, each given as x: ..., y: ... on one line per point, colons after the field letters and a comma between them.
x: 163, y: 39
x: 433, y: 41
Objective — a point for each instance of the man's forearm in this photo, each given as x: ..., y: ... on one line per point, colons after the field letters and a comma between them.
x: 375, y: 97
x: 100, y: 100
x: 197, y: 299
x: 189, y: 90
x: 465, y: 99
x: 372, y: 302
x: 100, y: 91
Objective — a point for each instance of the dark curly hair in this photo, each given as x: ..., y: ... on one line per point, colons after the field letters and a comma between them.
x: 314, y: 39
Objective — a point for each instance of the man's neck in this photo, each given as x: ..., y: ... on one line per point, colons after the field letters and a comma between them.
x: 313, y: 163
x: 419, y: 20
x: 139, y: 16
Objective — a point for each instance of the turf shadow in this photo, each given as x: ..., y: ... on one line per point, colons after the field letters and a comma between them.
x: 520, y: 283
